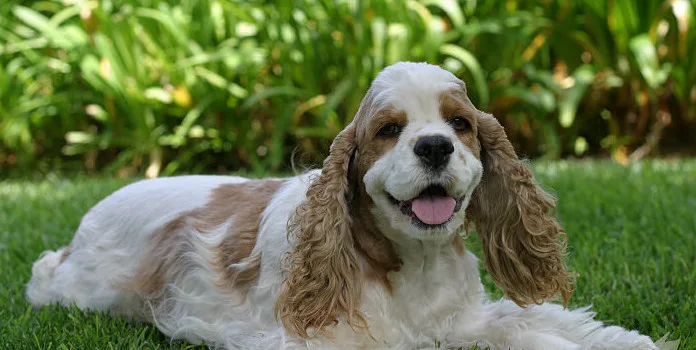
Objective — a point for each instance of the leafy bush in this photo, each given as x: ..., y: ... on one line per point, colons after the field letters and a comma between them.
x: 165, y: 86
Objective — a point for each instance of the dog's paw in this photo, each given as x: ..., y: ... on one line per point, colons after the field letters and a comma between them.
x: 639, y: 342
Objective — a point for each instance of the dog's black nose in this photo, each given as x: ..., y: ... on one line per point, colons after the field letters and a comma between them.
x: 434, y: 151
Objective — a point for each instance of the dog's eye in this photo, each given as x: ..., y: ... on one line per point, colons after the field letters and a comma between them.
x: 460, y: 123
x: 389, y: 130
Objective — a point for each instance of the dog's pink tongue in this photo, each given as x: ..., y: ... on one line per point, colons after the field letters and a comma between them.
x: 433, y: 210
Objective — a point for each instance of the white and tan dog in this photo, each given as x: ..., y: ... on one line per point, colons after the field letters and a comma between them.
x: 365, y: 253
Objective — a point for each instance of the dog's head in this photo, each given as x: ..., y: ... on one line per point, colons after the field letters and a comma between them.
x: 416, y: 151
x: 427, y: 160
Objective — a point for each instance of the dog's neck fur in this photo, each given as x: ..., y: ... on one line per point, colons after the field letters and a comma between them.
x: 377, y: 251
x: 382, y: 255
x: 417, y: 275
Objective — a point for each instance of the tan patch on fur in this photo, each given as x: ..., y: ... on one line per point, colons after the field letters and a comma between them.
x: 458, y: 244
x: 524, y: 246
x: 375, y: 249
x: 161, y: 260
x: 246, y: 212
x: 243, y: 203
x: 372, y: 147
x: 66, y: 253
x: 382, y: 119
x: 454, y: 103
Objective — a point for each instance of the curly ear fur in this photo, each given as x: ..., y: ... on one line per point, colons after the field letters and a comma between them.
x: 323, y: 280
x: 524, y: 246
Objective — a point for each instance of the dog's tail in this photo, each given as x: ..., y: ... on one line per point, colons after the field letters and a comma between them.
x: 41, y: 289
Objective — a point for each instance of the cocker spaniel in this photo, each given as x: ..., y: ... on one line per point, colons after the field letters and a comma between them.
x: 364, y: 253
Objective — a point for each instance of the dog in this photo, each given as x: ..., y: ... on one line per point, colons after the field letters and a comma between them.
x: 365, y: 253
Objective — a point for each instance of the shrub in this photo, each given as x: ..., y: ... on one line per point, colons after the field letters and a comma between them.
x: 165, y: 86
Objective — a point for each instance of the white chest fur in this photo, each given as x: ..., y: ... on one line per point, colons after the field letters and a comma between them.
x: 434, y: 286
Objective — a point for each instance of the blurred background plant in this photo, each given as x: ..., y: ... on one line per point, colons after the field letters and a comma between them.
x: 150, y: 87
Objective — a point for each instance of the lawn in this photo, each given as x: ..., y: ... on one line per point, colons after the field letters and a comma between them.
x: 630, y: 229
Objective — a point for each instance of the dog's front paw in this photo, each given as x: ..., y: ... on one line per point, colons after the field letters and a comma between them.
x: 614, y: 337
x: 643, y: 343
x: 632, y: 341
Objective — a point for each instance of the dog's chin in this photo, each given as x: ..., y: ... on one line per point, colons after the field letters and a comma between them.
x: 432, y: 214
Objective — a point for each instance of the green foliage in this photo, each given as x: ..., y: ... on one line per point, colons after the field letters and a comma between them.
x: 632, y: 247
x: 167, y: 86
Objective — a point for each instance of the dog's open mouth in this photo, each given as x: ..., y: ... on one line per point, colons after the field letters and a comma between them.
x: 431, y: 208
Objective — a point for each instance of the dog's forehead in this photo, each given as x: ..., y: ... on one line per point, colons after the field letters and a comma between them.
x: 414, y: 88
x: 415, y: 73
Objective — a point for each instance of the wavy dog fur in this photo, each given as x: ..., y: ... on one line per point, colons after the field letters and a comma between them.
x: 524, y: 246
x: 323, y: 279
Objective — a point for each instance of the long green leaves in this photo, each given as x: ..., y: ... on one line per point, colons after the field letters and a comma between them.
x: 216, y: 84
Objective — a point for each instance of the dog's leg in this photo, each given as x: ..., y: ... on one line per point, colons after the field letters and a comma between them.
x: 340, y: 336
x: 110, y: 244
x: 504, y: 325
x: 87, y: 274
x: 40, y: 290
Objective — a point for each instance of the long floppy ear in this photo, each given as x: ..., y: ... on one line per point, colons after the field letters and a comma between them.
x: 524, y: 246
x: 323, y: 279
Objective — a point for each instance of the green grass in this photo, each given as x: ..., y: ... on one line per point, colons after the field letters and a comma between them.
x: 630, y: 235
